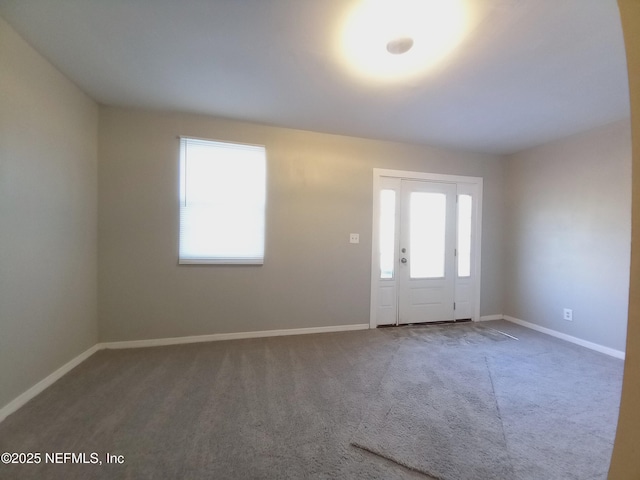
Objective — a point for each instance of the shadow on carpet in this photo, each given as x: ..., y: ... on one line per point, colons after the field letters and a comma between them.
x: 436, y: 413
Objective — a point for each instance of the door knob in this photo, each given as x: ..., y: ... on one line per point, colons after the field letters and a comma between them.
x: 403, y: 260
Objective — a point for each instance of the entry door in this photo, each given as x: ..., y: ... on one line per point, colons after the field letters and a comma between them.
x: 425, y: 256
x: 427, y: 243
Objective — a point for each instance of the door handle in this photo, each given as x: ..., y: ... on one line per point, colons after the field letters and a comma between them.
x: 403, y: 260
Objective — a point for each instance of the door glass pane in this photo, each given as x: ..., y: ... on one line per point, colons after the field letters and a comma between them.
x: 464, y: 235
x: 387, y: 232
x: 427, y: 217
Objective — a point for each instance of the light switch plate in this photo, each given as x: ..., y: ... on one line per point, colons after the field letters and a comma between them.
x: 354, y: 238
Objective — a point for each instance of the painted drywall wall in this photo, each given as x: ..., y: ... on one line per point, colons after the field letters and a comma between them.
x: 568, y: 234
x: 319, y: 191
x: 625, y: 462
x: 48, y: 217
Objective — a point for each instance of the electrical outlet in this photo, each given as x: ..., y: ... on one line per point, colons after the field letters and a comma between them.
x: 354, y: 238
x: 567, y: 314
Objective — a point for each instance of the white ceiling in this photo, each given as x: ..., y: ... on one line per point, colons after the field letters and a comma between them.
x: 530, y: 71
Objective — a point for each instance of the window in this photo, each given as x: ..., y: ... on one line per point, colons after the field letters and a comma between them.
x: 427, y: 234
x: 222, y: 202
x: 464, y: 235
x: 387, y: 232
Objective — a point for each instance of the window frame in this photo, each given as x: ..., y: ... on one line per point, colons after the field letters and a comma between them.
x: 208, y: 259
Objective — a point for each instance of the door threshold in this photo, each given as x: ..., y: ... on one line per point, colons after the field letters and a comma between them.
x: 426, y: 324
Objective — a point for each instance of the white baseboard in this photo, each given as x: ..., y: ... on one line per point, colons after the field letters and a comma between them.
x: 563, y: 336
x: 49, y: 380
x: 157, y: 342
x: 23, y: 398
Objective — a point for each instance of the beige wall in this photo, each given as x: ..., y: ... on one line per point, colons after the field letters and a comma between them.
x: 625, y: 463
x: 568, y: 234
x: 48, y: 195
x: 319, y: 190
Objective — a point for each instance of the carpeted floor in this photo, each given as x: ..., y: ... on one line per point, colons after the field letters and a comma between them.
x: 436, y: 413
x: 290, y: 407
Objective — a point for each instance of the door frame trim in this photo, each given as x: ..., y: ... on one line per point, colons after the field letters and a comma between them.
x: 378, y: 173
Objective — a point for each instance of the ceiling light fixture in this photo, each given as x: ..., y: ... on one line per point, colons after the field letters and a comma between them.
x: 386, y: 40
x: 398, y: 46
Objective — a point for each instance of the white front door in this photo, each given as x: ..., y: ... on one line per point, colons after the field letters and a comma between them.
x: 426, y: 240
x: 426, y: 272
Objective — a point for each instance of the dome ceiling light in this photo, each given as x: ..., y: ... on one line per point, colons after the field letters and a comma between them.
x: 399, y: 46
x: 386, y: 40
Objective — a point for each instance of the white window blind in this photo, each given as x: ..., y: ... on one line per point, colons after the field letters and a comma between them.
x: 222, y: 202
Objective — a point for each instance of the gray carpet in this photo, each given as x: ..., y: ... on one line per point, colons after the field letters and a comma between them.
x: 289, y: 407
x: 557, y: 414
x: 456, y: 405
x: 436, y: 413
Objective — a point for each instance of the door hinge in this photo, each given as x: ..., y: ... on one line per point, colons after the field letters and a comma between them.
x: 454, y: 305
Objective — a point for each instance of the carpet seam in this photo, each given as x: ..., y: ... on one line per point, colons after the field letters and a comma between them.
x: 379, y: 384
x: 495, y: 396
x: 355, y: 444
x: 423, y: 471
x: 408, y: 467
